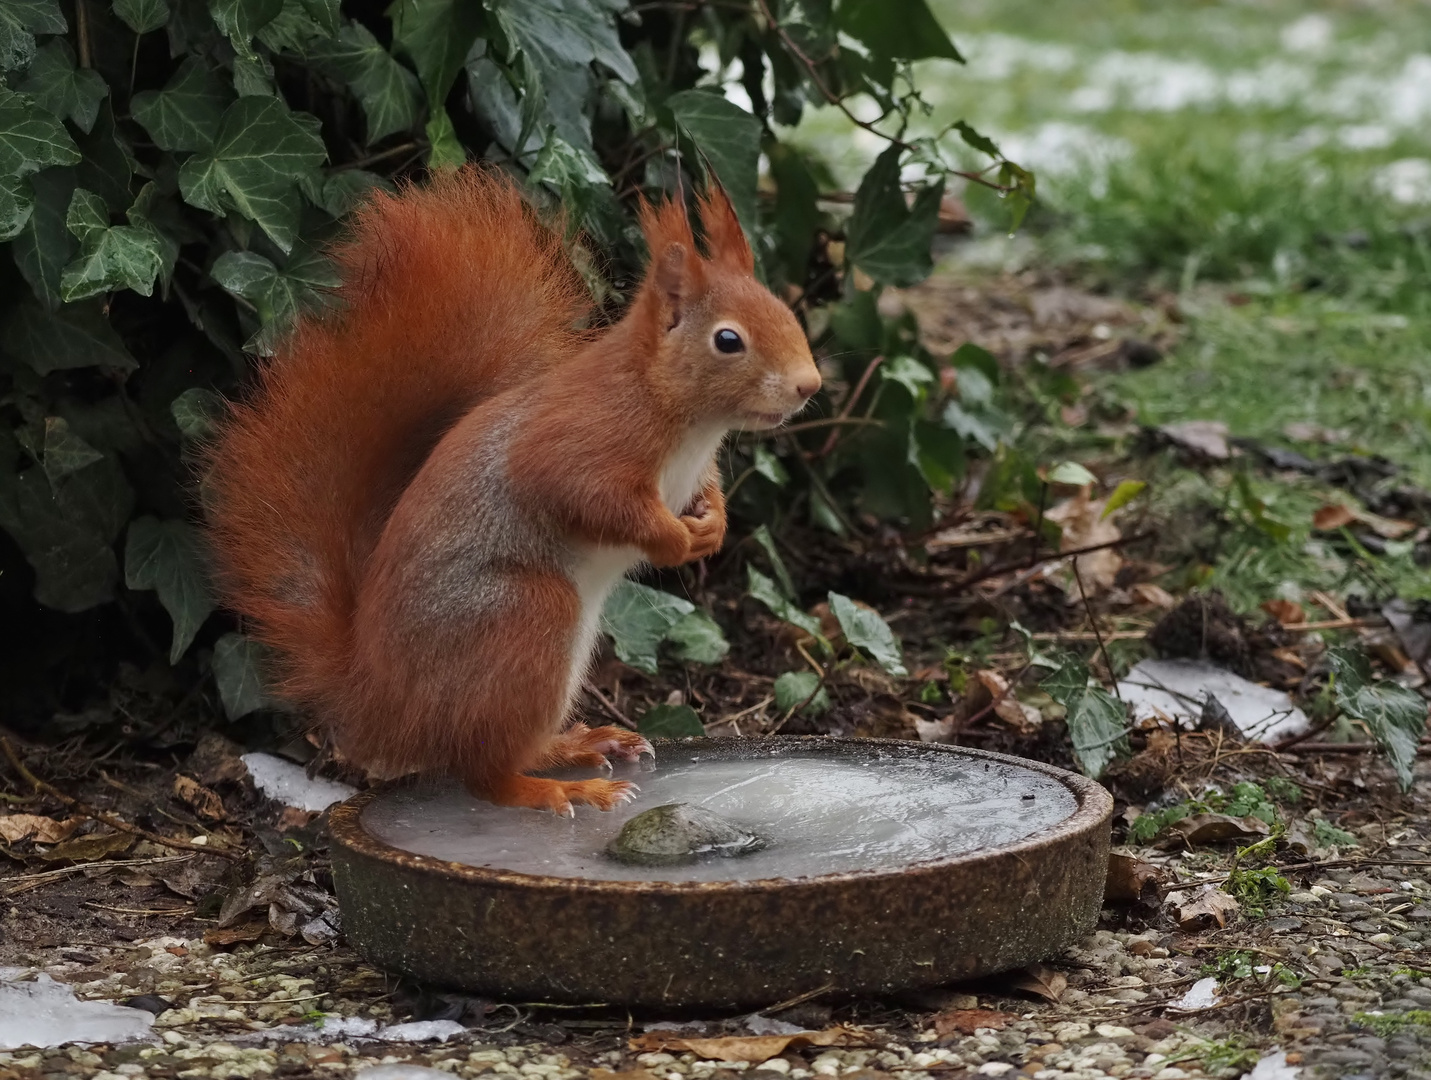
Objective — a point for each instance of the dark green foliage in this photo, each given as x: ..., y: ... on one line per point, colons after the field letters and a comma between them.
x: 171, y: 171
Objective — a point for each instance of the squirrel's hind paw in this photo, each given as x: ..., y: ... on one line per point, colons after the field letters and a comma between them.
x: 559, y: 796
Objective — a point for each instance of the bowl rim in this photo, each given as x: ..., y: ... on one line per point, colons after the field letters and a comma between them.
x: 1093, y: 808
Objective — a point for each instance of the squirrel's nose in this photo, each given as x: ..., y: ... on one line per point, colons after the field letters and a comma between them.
x: 806, y: 387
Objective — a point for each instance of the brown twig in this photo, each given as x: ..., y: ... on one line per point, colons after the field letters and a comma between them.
x: 381, y: 155
x: 82, y: 32
x: 1097, y: 634
x: 105, y: 818
x: 849, y: 404
x: 1003, y: 568
x: 610, y: 707
x: 839, y: 102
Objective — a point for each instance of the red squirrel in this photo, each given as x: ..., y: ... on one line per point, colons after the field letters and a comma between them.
x: 439, y: 478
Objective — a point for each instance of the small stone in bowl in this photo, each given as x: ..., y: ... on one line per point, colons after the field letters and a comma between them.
x: 680, y: 833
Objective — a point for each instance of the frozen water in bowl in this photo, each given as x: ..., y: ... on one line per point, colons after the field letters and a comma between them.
x: 823, y: 813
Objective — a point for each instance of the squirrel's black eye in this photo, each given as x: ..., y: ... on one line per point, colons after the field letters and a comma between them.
x: 728, y: 341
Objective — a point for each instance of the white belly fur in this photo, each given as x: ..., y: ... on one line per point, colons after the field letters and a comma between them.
x: 597, y: 569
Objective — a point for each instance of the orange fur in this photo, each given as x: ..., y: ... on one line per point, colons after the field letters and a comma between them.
x: 420, y: 504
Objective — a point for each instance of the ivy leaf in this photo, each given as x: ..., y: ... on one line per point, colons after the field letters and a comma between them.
x: 1072, y: 473
x: 196, y: 412
x: 64, y: 453
x: 20, y: 21
x: 1097, y: 721
x: 698, y: 639
x: 389, y: 93
x: 343, y: 191
x: 898, y: 29
x: 261, y: 150
x: 869, y: 633
x: 67, y: 531
x: 671, y: 722
x: 278, y: 295
x: 766, y: 464
x: 1395, y: 716
x: 565, y: 167
x: 729, y: 137
x: 142, y: 16
x: 446, y: 152
x: 61, y: 88
x: 76, y: 336
x: 435, y: 35
x: 168, y: 557
x: 238, y: 671
x: 886, y: 239
x: 559, y: 33
x: 763, y: 589
x: 240, y: 20
x: 46, y: 246
x: 796, y: 687
x: 638, y: 618
x: 17, y: 204
x: 186, y: 114
x: 121, y: 256
x: 762, y: 536
x: 31, y: 138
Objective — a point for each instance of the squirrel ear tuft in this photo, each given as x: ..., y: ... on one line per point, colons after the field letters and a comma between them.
x: 725, y: 239
x: 674, y: 270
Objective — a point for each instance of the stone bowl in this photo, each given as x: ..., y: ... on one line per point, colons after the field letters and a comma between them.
x: 732, y: 943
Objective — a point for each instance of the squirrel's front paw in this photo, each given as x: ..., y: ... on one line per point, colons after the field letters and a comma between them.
x: 707, y: 533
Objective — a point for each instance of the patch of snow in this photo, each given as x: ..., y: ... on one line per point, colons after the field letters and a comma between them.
x: 1200, y: 995
x: 1150, y: 82
x: 401, y: 1072
x: 995, y: 57
x: 1365, y: 136
x: 1407, y: 181
x: 422, y: 1031
x: 1179, y: 688
x: 1309, y: 34
x: 358, y: 1029
x: 1273, y: 1067
x: 1059, y: 148
x: 45, y: 1013
x: 287, y: 783
x: 758, y: 1024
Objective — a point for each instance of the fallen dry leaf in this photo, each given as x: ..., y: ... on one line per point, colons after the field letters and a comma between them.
x: 1041, y: 981
x: 753, y: 1048
x: 1333, y: 516
x: 1286, y: 612
x: 1315, y: 433
x: 1130, y: 880
x: 968, y: 1021
x: 1338, y: 515
x: 1211, y: 828
x: 1207, y: 909
x: 1287, y: 656
x: 1205, y: 437
x: 1081, y: 519
x: 90, y: 848
x: 199, y: 798
x: 36, y: 827
x: 1145, y: 592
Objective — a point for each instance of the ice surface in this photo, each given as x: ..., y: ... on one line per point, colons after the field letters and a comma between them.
x: 1179, y: 687
x: 822, y: 815
x: 289, y: 784
x: 46, y: 1013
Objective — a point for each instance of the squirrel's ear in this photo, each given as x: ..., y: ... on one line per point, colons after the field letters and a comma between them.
x: 670, y: 274
x: 674, y: 271
x: 725, y: 239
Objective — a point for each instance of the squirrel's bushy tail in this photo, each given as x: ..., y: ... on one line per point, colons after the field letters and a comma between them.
x: 451, y: 292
